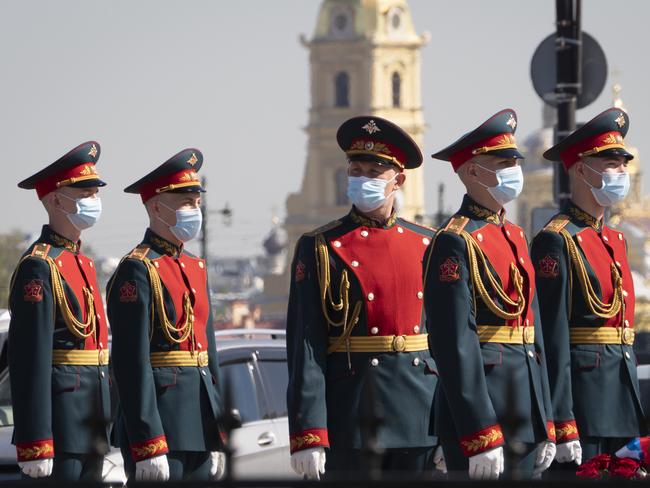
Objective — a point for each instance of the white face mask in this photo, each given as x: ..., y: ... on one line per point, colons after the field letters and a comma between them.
x: 188, y: 223
x: 368, y: 194
x: 510, y: 183
x: 89, y: 210
x: 614, y: 188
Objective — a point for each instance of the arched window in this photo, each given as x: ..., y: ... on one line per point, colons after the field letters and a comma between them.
x: 341, y: 187
x: 342, y: 90
x: 397, y: 89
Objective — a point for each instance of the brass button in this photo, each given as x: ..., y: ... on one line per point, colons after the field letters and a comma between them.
x: 336, y: 243
x: 91, y: 288
x: 579, y: 238
x: 529, y: 335
x: 156, y: 264
x: 425, y: 241
x: 416, y: 329
x: 60, y: 263
x: 91, y: 264
x: 399, y: 343
x: 416, y: 361
x: 374, y: 331
x: 182, y: 265
x: 521, y: 233
x: 194, y: 291
x: 400, y: 230
x: 625, y: 293
x: 420, y: 295
x: 628, y: 337
x: 508, y: 233
x: 620, y: 237
x: 627, y: 323
x: 531, y: 354
x: 627, y: 355
x: 364, y: 233
x: 354, y: 264
x: 203, y: 358
x: 199, y: 345
x: 103, y: 374
x: 371, y: 296
x: 605, y: 238
x: 374, y: 362
x: 201, y: 264
x: 203, y: 372
x: 479, y: 236
x: 521, y: 260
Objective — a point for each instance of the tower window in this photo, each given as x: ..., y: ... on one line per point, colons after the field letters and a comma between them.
x: 342, y: 90
x: 397, y: 90
x: 341, y: 187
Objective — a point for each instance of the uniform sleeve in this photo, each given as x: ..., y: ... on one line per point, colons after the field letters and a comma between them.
x: 129, y: 309
x: 30, y: 359
x: 455, y: 346
x: 552, y: 275
x: 306, y: 353
x: 213, y: 363
x: 541, y: 354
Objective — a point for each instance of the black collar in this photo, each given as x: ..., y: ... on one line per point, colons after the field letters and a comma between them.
x: 361, y: 219
x: 470, y: 208
x: 48, y: 236
x: 161, y: 245
x: 582, y: 218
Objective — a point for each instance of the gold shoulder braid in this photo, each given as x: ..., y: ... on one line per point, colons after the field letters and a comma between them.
x: 558, y: 223
x: 327, y: 300
x: 475, y: 254
x: 594, y: 304
x: 167, y: 327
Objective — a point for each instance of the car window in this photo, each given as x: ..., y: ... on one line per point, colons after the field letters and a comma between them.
x: 275, y: 378
x: 6, y: 412
x: 238, y: 378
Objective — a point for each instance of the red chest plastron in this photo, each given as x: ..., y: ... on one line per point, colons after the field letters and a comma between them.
x: 78, y: 271
x: 503, y: 246
x: 186, y: 275
x: 388, y: 266
x: 601, y: 250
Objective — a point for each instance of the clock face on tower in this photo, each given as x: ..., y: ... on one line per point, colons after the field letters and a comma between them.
x: 395, y: 20
x: 341, y: 22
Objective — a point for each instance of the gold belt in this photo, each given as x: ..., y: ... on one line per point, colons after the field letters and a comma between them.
x: 391, y: 343
x: 504, y: 334
x: 601, y: 335
x: 178, y: 358
x: 79, y: 357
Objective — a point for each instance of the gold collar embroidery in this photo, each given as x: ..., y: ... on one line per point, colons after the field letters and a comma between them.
x: 163, y: 244
x: 59, y: 241
x: 584, y: 217
x: 360, y: 219
x: 483, y: 213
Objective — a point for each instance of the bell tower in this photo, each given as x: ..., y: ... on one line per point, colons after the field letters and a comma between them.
x: 364, y: 60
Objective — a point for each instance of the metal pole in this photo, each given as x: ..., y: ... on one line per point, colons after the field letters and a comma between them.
x: 568, y: 83
x: 204, y: 211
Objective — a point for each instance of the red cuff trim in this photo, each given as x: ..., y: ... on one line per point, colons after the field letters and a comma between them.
x: 309, y: 438
x: 566, y: 431
x: 550, y: 431
x: 148, y: 449
x: 482, y: 441
x: 30, y: 451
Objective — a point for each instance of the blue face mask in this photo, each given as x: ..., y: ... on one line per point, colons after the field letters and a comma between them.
x: 188, y: 223
x: 614, y: 188
x: 367, y: 194
x: 88, y: 212
x: 510, y: 182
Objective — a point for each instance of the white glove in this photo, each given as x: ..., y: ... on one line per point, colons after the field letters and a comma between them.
x: 39, y: 468
x: 545, y: 455
x: 217, y: 465
x: 569, y: 451
x: 152, y: 469
x: 439, y: 460
x: 486, y: 466
x: 309, y: 463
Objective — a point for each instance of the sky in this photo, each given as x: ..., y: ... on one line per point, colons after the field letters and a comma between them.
x: 147, y: 78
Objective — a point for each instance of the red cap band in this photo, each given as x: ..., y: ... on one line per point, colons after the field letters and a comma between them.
x: 591, y: 147
x: 500, y: 141
x: 69, y: 176
x: 172, y: 181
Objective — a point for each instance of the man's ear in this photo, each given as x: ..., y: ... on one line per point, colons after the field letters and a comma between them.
x: 400, y: 179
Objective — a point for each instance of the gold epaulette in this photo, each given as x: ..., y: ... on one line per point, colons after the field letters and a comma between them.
x: 558, y: 223
x: 139, y: 253
x: 41, y: 250
x: 456, y: 224
x: 324, y: 228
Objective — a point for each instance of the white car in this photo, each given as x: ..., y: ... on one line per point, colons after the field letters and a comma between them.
x: 254, y: 363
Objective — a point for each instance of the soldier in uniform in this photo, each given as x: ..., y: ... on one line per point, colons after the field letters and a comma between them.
x: 586, y: 296
x: 164, y: 353
x: 354, y: 319
x: 484, y: 328
x: 58, y: 336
